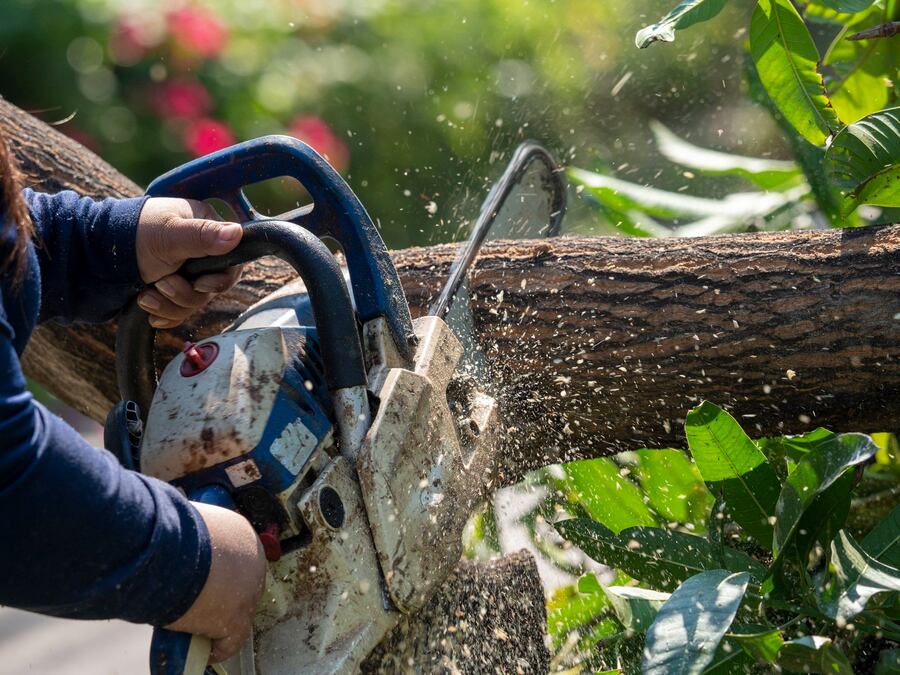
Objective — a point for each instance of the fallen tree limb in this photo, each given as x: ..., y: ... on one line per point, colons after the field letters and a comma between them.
x: 599, y: 344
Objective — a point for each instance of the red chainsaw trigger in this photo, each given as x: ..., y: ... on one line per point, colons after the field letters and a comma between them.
x: 198, y: 358
x: 271, y: 543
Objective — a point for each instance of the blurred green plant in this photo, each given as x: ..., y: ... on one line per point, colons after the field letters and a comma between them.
x: 835, y: 109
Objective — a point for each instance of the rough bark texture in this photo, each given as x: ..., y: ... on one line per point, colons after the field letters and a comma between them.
x: 599, y: 344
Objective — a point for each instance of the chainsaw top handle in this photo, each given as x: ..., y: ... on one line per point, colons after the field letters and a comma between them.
x: 307, y: 254
x: 336, y: 212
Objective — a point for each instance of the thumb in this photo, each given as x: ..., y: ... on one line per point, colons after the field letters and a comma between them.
x: 199, y: 237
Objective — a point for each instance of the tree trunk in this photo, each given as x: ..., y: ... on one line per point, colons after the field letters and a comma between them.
x: 598, y: 345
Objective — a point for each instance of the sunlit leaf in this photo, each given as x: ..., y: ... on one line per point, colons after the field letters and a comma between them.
x: 636, y: 608
x: 607, y: 496
x: 864, y: 161
x: 688, y: 628
x: 813, y: 654
x: 767, y: 173
x: 725, y: 454
x: 786, y: 60
x: 673, y: 485
x: 854, y: 578
x: 814, y: 474
x: 660, y: 558
x: 578, y: 607
x: 883, y: 542
x: 858, y: 75
x: 686, y: 13
x: 760, y: 643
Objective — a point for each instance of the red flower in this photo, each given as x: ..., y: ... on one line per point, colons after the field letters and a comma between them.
x: 197, y: 30
x: 207, y: 135
x: 315, y: 132
x: 182, y: 98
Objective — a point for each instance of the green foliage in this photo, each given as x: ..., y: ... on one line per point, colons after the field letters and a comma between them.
x: 812, y: 97
x: 721, y: 603
x: 689, y: 626
x: 685, y: 14
x: 786, y: 60
x: 661, y: 557
x: 766, y: 173
x: 813, y: 654
x: 864, y: 161
x: 730, y: 461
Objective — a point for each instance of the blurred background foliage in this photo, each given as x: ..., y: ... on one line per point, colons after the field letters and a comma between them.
x: 415, y: 102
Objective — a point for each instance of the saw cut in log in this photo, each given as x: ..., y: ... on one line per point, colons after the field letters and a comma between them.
x: 598, y: 344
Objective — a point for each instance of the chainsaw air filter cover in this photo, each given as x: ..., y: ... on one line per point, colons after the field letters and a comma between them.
x: 255, y: 412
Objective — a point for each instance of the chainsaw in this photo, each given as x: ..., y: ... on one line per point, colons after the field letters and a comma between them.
x: 354, y: 439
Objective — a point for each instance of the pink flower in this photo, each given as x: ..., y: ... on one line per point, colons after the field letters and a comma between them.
x: 207, y: 135
x: 197, y: 30
x: 182, y: 98
x: 315, y: 132
x: 131, y: 38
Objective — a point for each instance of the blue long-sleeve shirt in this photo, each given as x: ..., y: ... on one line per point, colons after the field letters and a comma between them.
x: 79, y: 535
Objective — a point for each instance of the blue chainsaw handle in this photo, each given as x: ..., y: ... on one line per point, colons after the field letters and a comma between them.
x: 169, y: 648
x: 336, y: 213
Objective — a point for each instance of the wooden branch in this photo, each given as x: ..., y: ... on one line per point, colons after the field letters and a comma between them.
x: 600, y: 344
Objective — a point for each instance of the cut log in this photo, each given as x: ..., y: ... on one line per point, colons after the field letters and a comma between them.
x: 598, y: 345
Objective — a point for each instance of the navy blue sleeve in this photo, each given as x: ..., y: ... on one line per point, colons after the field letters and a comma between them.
x: 86, y: 251
x: 81, y: 536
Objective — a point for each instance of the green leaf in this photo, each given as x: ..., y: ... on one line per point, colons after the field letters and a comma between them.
x: 864, y: 161
x: 636, y: 608
x: 735, y: 211
x: 858, y: 74
x: 729, y: 659
x: 766, y: 173
x: 855, y: 577
x: 688, y: 628
x: 686, y: 13
x: 847, y: 6
x: 815, y: 473
x: 786, y: 58
x: 883, y: 542
x: 758, y: 642
x: 607, y: 496
x: 577, y: 608
x: 724, y: 453
x: 813, y: 654
x: 888, y: 662
x: 658, y: 557
x: 673, y: 485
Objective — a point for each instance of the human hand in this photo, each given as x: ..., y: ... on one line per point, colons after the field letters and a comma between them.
x: 169, y: 232
x: 224, y: 610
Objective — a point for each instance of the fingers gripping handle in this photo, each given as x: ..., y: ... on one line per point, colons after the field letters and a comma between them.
x: 176, y: 653
x: 329, y: 297
x: 336, y: 213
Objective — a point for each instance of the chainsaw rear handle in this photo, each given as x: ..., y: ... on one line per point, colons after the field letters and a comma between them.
x: 336, y: 213
x: 169, y: 649
x: 307, y: 254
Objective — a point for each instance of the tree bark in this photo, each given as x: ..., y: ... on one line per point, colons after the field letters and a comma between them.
x: 598, y: 345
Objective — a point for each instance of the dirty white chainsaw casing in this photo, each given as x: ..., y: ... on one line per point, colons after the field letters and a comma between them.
x: 363, y: 543
x: 423, y: 465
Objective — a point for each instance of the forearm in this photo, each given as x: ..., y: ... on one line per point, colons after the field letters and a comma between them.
x: 86, y: 250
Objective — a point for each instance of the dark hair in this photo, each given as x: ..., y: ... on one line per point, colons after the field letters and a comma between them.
x: 13, y: 213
